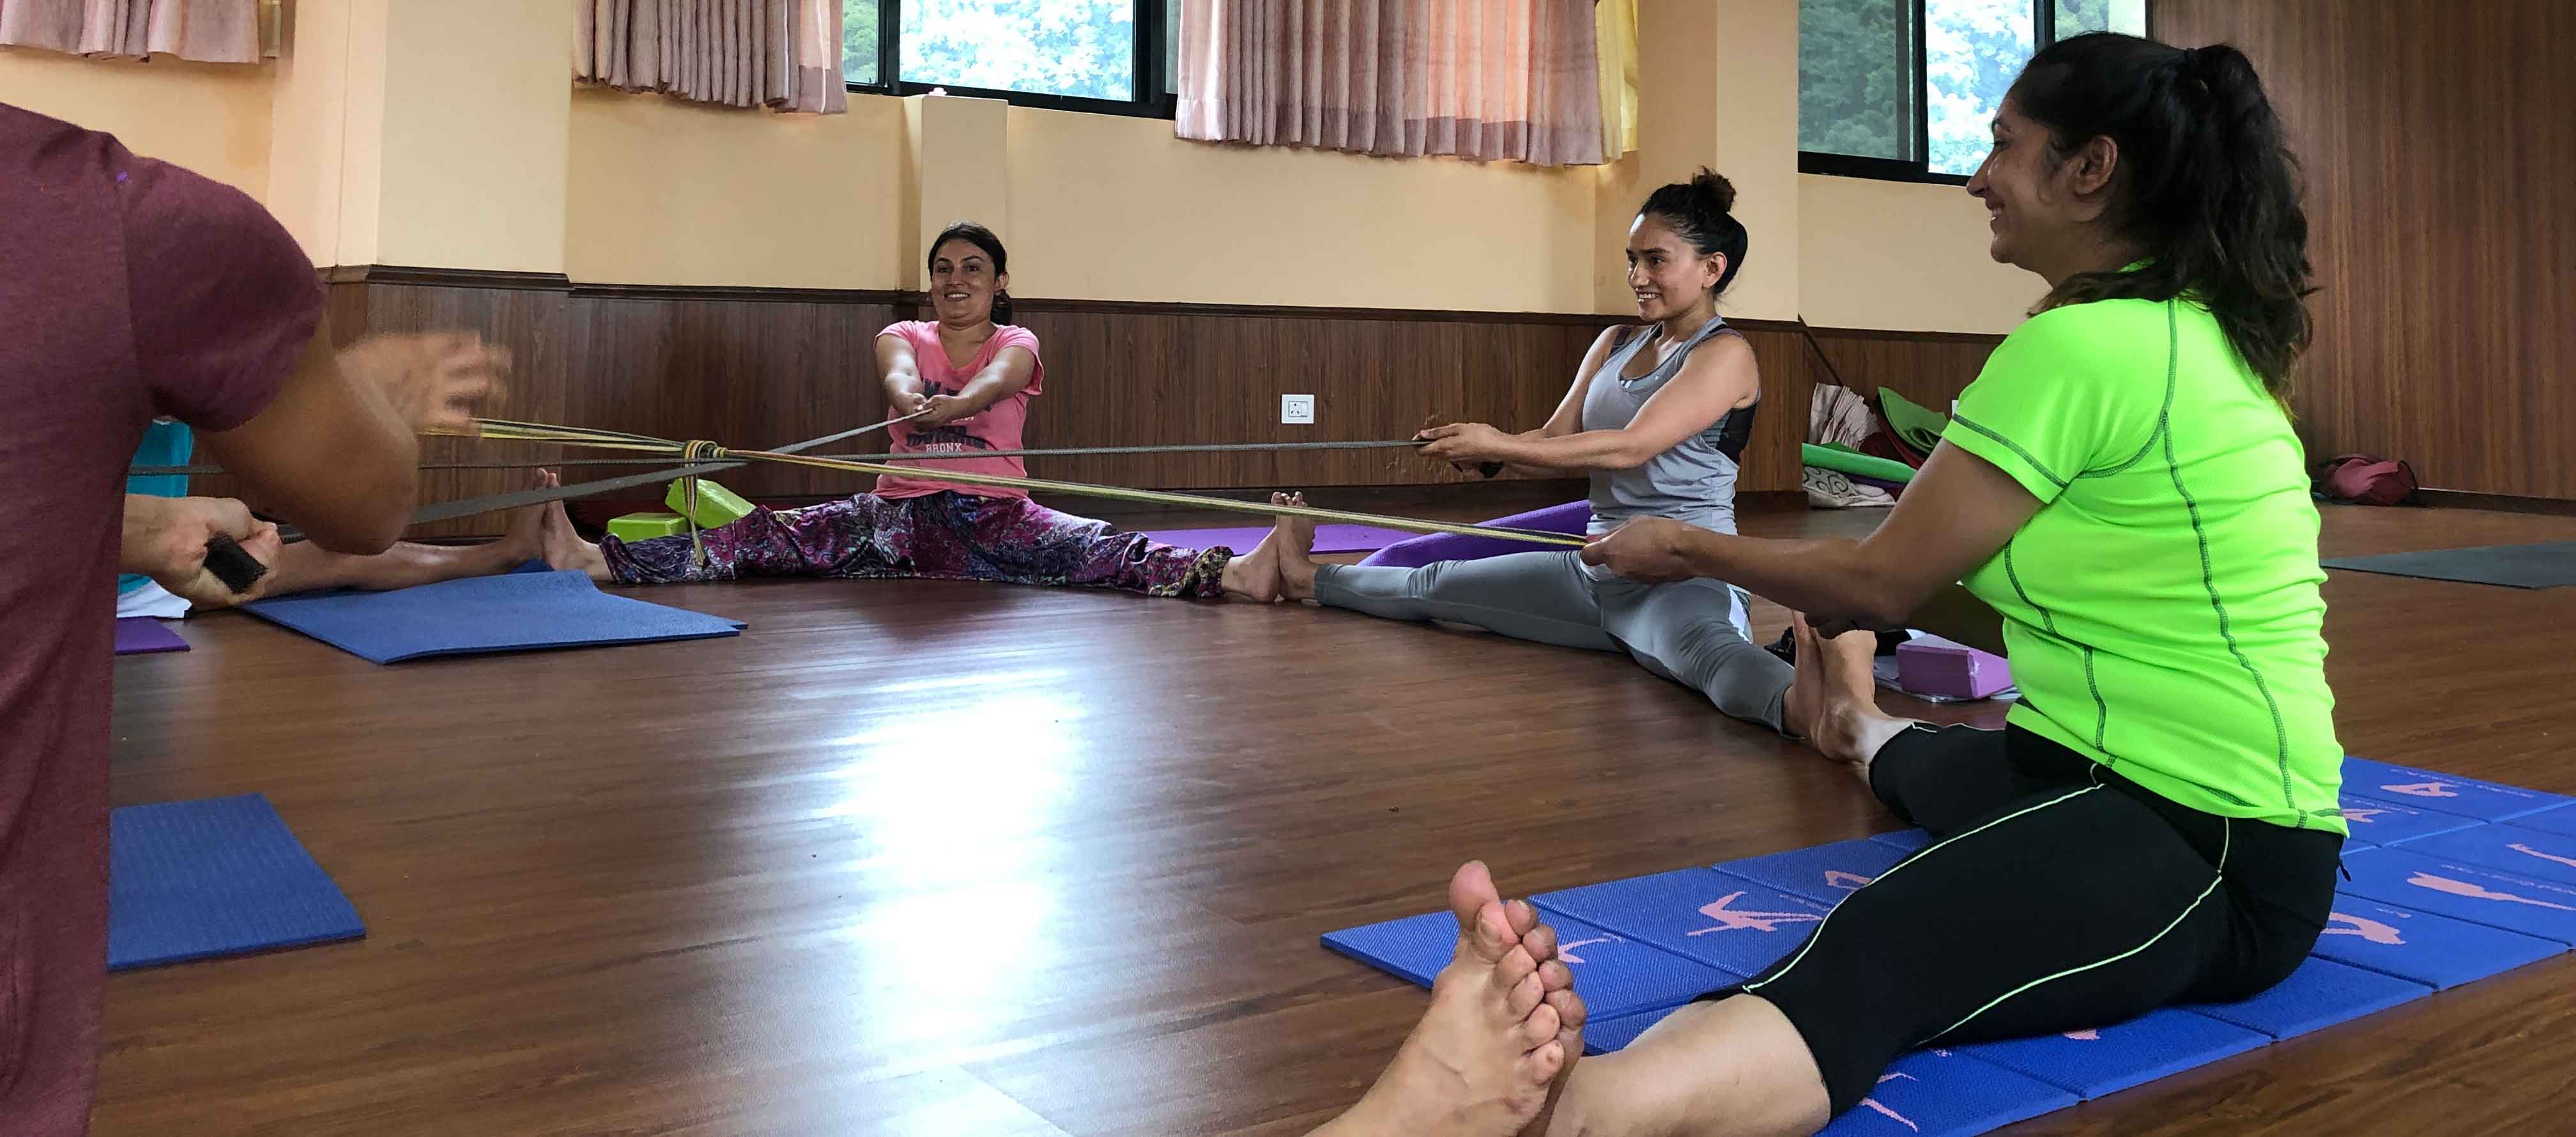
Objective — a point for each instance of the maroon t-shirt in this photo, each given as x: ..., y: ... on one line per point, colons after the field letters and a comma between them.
x: 128, y: 289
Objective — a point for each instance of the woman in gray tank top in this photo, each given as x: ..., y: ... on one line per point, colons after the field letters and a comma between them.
x: 1656, y: 418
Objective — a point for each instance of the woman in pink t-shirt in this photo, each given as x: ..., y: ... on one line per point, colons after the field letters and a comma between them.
x: 969, y: 374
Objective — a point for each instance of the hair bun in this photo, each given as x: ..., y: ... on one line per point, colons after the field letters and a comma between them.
x: 1721, y: 192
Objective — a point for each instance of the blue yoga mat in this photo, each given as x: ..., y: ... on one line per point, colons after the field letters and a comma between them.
x: 1615, y: 975
x: 2318, y: 995
x: 2463, y: 892
x: 1725, y: 922
x: 2443, y: 793
x: 1825, y: 873
x: 1601, y: 1036
x: 2090, y: 1064
x: 521, y: 611
x: 2505, y: 848
x: 1943, y: 1093
x: 2561, y: 820
x: 2376, y: 822
x: 2436, y: 951
x: 1908, y: 841
x: 222, y: 876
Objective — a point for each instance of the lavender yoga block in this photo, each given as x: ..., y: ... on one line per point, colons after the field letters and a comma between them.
x: 1930, y: 665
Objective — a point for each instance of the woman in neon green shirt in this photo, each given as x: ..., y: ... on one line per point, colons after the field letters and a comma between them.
x: 2121, y: 486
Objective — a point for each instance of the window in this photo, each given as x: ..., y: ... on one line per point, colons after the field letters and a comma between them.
x: 1904, y: 89
x: 1094, y: 55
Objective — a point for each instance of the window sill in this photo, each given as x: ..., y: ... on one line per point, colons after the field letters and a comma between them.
x: 1878, y: 169
x: 1164, y: 107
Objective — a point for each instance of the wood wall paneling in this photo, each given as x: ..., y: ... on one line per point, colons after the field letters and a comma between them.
x: 2437, y: 147
x: 771, y: 366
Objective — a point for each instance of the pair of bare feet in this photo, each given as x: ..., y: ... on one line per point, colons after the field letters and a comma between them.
x: 544, y: 532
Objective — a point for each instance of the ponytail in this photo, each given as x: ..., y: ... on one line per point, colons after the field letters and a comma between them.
x: 2207, y: 185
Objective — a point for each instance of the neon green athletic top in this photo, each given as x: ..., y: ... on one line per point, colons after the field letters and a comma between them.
x: 2161, y: 608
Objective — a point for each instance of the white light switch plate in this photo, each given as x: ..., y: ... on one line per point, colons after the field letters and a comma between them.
x: 1297, y: 408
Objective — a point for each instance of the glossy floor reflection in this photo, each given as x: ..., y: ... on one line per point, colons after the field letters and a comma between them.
x: 920, y: 858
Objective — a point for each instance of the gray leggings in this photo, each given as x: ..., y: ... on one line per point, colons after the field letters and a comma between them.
x: 1695, y: 632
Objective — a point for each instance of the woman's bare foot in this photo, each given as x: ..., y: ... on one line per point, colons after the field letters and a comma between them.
x: 1254, y: 576
x: 564, y: 548
x: 1483, y: 1059
x: 1293, y: 542
x: 1844, y: 722
x: 525, y: 539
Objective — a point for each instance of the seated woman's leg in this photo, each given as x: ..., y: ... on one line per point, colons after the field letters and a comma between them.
x: 1544, y: 597
x: 307, y: 567
x: 1694, y: 632
x: 1017, y: 541
x: 2076, y: 907
x: 855, y: 537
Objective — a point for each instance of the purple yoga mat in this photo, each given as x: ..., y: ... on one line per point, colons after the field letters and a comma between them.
x: 136, y: 635
x: 1570, y: 518
x: 1328, y: 538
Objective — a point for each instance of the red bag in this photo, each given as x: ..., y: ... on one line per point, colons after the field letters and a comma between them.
x: 2360, y: 479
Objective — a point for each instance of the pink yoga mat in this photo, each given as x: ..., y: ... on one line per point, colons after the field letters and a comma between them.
x: 137, y: 635
x: 1328, y: 538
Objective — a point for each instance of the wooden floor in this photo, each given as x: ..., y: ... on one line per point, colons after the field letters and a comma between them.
x: 926, y: 859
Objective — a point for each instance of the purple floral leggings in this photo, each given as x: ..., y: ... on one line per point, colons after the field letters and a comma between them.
x: 944, y: 536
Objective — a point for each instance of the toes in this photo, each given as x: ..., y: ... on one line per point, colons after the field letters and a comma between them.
x: 1515, y: 966
x: 1553, y: 976
x: 1541, y: 942
x: 1571, y: 1013
x: 1471, y: 894
x: 1522, y: 918
x: 1525, y: 997
x: 1540, y: 1027
x: 1540, y: 1066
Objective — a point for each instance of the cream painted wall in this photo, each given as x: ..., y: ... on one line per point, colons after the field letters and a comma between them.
x: 1756, y: 74
x: 1904, y: 257
x: 209, y: 117
x: 1107, y: 207
x: 668, y: 192
x: 477, y: 102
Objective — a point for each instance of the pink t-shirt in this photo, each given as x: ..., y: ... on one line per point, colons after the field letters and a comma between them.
x: 128, y: 289
x: 996, y: 427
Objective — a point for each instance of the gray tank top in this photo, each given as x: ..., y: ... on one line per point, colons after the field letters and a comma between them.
x: 1694, y: 481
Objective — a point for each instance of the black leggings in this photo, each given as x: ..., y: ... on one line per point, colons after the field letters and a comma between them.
x: 2056, y: 896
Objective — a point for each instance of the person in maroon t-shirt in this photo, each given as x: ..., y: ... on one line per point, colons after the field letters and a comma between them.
x: 130, y: 288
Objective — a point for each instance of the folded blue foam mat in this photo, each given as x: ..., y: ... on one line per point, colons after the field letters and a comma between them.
x: 2376, y: 822
x: 1723, y: 921
x: 518, y: 611
x: 1615, y: 975
x: 1825, y: 873
x: 1943, y: 1093
x: 2092, y: 1063
x: 2318, y: 995
x: 2444, y: 793
x: 2436, y: 951
x: 2561, y: 820
x: 2505, y: 847
x: 2478, y: 895
x: 199, y: 879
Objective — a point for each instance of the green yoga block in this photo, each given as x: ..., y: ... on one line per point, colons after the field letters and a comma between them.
x: 716, y: 505
x: 646, y: 526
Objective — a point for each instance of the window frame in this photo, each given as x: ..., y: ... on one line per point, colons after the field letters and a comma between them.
x: 2043, y: 25
x: 1151, y: 40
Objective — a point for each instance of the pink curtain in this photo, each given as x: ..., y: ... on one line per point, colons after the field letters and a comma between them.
x: 211, y: 31
x: 784, y: 54
x: 1509, y: 80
